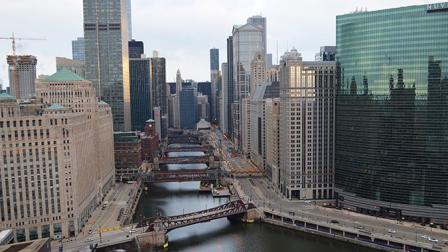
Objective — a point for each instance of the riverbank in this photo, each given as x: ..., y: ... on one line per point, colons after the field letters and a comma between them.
x: 337, y: 224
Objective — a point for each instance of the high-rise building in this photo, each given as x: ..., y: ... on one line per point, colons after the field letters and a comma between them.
x: 159, y: 96
x: 61, y: 166
x: 76, y: 66
x: 136, y: 49
x: 306, y: 127
x: 327, y: 53
x: 260, y: 22
x: 205, y: 88
x: 268, y: 60
x: 224, y: 113
x: 257, y: 72
x: 22, y: 75
x: 272, y: 139
x: 392, y: 113
x: 106, y: 52
x: 78, y: 49
x: 188, y: 108
x: 214, y: 59
x: 248, y: 40
x: 273, y: 73
x: 214, y: 75
x: 203, y: 107
x: 257, y: 130
x: 230, y: 87
x: 129, y: 13
x: 141, y: 109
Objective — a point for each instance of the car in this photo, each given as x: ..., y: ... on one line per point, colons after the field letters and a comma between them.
x: 392, y: 231
x: 308, y: 201
x: 424, y: 236
x: 132, y: 231
x: 432, y: 239
x: 334, y: 221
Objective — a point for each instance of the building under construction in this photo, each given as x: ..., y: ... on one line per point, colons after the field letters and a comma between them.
x: 22, y: 75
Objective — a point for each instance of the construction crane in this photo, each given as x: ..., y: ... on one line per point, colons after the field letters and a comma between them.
x: 13, y: 39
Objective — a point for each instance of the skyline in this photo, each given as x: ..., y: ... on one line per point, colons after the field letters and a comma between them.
x: 182, y: 40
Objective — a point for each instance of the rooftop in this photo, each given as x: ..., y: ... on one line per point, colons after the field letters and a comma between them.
x: 63, y: 75
x: 6, y: 97
x: 56, y: 106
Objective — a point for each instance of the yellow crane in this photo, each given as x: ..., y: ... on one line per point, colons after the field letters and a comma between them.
x: 13, y: 39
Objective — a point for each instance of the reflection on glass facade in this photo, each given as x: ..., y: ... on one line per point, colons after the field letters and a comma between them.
x: 247, y: 41
x: 392, y: 112
x: 141, y: 110
x: 106, y: 56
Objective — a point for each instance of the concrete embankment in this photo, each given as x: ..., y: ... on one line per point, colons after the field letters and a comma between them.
x: 132, y: 205
x: 336, y: 231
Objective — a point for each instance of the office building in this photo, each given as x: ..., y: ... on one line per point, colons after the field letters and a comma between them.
x: 128, y: 155
x: 306, y: 127
x: 392, y: 113
x: 56, y: 161
x: 205, y: 88
x: 159, y: 96
x: 257, y: 72
x: 129, y: 10
x: 272, y: 133
x: 136, y: 49
x: 22, y: 75
x: 188, y: 108
x: 248, y: 40
x: 78, y: 49
x: 141, y: 110
x: 268, y: 60
x: 261, y: 23
x: 327, y: 53
x: 76, y: 66
x: 214, y: 76
x: 230, y: 88
x: 273, y: 74
x: 158, y: 122
x: 106, y: 56
x: 150, y: 141
x: 203, y: 107
x: 224, y: 103
x: 257, y: 114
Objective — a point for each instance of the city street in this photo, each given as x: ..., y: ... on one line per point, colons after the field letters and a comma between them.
x: 104, y: 219
x: 259, y: 191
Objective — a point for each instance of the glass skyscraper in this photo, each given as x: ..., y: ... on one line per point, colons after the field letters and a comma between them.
x: 188, y: 108
x: 78, y: 49
x: 392, y: 112
x: 141, y: 109
x: 136, y: 49
x: 106, y: 52
x: 248, y: 40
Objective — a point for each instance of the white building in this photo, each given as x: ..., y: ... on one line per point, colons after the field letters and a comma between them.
x: 306, y: 127
x: 56, y: 158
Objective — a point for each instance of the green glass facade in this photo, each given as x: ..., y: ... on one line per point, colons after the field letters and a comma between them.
x: 392, y: 112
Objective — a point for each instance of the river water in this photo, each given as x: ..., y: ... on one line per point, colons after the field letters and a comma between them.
x: 222, y: 235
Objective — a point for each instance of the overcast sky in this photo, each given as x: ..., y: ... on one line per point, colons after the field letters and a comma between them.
x: 182, y: 31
